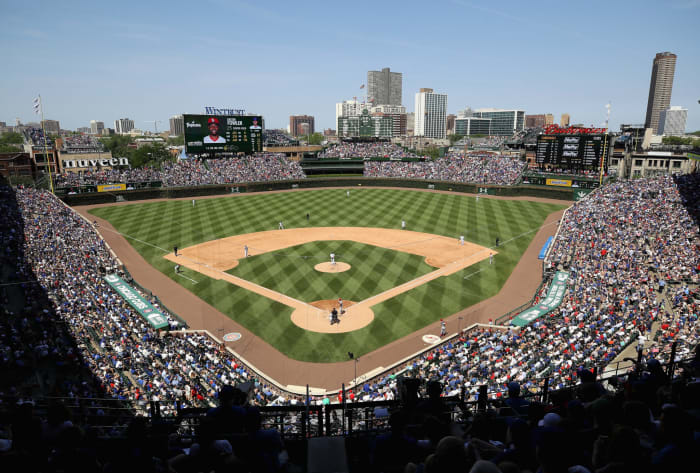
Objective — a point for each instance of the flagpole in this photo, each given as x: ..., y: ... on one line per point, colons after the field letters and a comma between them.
x: 43, y: 130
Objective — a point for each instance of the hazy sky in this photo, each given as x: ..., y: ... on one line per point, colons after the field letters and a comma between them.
x: 149, y: 60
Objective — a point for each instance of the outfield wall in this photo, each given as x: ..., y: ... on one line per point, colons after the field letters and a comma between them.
x: 181, y: 192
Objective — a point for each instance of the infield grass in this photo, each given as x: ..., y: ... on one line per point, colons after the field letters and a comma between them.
x: 373, y: 270
x: 153, y: 228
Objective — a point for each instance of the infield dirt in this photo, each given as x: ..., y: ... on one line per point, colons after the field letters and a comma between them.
x: 214, y: 258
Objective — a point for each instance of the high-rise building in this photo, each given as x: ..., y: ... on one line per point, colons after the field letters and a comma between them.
x: 672, y: 121
x: 538, y: 121
x: 662, y: 72
x: 296, y: 122
x: 472, y: 126
x: 503, y: 122
x: 84, y: 130
x: 396, y: 112
x: 431, y: 114
x: 350, y: 108
x: 565, y: 120
x: 51, y: 126
x: 96, y: 127
x: 123, y: 126
x: 177, y: 125
x: 548, y: 119
x: 451, y: 123
x: 384, y: 87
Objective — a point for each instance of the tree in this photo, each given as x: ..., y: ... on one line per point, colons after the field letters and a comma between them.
x: 10, y: 149
x: 454, y: 138
x: 176, y: 140
x: 150, y: 155
x: 314, y: 138
x: 11, y: 138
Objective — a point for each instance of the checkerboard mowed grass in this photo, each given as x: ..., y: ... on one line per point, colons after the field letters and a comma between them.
x: 291, y: 270
x: 155, y: 227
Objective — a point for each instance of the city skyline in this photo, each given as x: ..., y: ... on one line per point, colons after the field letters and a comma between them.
x: 92, y: 62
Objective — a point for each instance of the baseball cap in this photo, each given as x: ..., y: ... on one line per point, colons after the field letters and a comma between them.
x: 213, y: 120
x: 550, y: 420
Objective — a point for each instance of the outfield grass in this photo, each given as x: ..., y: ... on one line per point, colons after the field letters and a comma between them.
x: 155, y: 227
x: 290, y: 271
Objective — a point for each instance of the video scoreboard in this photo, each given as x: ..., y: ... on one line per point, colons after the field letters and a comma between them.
x: 570, y: 151
x: 223, y: 134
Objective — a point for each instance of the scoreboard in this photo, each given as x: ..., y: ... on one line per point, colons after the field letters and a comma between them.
x: 223, y: 133
x: 570, y: 150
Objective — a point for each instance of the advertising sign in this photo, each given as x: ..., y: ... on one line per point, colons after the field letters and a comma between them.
x: 111, y: 187
x: 142, y: 306
x: 223, y: 133
x: 554, y: 297
x: 559, y: 182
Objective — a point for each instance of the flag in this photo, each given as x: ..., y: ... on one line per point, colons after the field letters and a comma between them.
x: 37, y: 105
x: 362, y: 86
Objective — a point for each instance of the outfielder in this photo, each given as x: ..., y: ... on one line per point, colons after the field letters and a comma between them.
x: 333, y: 259
x: 281, y: 227
x: 347, y: 193
x: 192, y: 202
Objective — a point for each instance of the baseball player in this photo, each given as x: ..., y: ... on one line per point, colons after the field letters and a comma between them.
x: 177, y: 269
x: 477, y: 197
x: 333, y: 259
x: 461, y: 240
x: 491, y: 258
x: 192, y: 202
x: 245, y: 251
x: 347, y: 193
x: 281, y: 227
x: 175, y: 250
x: 340, y: 303
x: 403, y: 224
x: 443, y: 328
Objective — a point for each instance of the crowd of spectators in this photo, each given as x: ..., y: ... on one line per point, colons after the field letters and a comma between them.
x: 36, y: 137
x: 194, y: 172
x: 456, y: 167
x: 81, y: 144
x: 131, y: 361
x: 278, y: 138
x: 366, y: 150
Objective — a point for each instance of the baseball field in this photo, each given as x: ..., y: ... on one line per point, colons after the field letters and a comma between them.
x: 393, y: 281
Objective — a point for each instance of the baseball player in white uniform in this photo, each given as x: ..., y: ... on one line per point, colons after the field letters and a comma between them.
x: 245, y: 251
x: 461, y: 240
x: 491, y: 258
x: 347, y: 193
x: 403, y: 224
x: 333, y: 258
x: 281, y: 227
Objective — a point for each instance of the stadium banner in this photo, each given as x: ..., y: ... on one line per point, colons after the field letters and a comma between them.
x: 554, y: 297
x: 694, y: 155
x: 223, y: 133
x: 111, y: 187
x: 559, y: 182
x: 581, y: 193
x: 142, y: 306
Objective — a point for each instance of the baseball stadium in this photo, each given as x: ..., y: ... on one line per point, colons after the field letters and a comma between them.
x: 327, y: 303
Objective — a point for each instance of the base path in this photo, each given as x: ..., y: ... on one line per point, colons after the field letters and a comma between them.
x: 518, y: 289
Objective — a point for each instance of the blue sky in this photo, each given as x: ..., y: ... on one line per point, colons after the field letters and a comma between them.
x: 150, y: 60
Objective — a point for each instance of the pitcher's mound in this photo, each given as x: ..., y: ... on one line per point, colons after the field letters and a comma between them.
x: 338, y: 267
x: 316, y: 318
